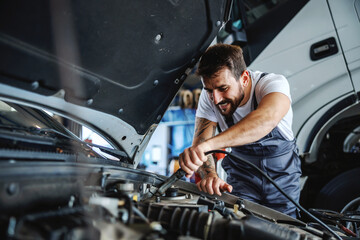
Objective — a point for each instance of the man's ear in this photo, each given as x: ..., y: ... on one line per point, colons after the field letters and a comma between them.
x: 245, y: 78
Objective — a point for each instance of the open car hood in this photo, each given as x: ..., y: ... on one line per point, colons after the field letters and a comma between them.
x: 114, y: 66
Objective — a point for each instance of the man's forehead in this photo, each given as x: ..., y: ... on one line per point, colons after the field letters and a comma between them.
x: 221, y: 78
x: 212, y: 82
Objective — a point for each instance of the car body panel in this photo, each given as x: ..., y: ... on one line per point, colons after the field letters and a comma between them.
x: 346, y: 19
x: 326, y: 84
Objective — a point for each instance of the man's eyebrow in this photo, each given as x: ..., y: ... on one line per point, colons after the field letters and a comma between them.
x: 222, y: 86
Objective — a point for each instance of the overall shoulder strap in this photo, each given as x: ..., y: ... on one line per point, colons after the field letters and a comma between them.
x: 255, y: 103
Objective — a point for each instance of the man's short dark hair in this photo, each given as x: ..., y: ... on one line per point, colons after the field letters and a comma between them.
x: 219, y: 56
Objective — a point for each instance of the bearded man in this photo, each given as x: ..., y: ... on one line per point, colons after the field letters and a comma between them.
x: 253, y: 111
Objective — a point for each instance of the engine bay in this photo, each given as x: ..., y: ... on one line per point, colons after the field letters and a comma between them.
x: 88, y: 201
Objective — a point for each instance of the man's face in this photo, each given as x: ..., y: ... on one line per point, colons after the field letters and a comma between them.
x: 224, y: 91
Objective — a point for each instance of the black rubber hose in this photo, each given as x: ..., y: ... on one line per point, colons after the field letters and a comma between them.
x: 280, y: 190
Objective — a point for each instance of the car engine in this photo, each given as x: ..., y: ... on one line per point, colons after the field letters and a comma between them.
x: 89, y: 201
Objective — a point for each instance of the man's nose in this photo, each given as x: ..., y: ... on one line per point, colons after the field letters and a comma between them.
x: 217, y: 97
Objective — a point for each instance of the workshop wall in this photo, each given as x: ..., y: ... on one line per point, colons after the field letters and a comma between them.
x: 174, y: 133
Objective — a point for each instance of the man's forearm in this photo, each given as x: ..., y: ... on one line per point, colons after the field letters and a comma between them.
x: 193, y: 157
x: 207, y: 168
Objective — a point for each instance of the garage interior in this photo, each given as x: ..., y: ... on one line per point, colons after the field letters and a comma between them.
x: 134, y: 108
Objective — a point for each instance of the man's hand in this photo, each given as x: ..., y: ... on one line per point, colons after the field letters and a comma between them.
x: 213, y: 184
x: 193, y: 157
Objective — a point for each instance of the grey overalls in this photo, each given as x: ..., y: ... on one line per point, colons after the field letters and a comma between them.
x: 277, y: 157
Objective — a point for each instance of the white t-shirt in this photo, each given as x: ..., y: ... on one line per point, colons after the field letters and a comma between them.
x: 268, y: 84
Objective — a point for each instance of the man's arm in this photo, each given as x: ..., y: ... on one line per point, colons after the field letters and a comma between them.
x: 208, y: 167
x: 210, y: 183
x: 204, y: 129
x: 272, y: 108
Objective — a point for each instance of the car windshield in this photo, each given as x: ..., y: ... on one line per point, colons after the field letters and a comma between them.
x: 25, y: 128
x: 12, y: 115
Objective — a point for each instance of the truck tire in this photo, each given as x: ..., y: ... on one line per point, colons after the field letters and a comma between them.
x: 339, y: 191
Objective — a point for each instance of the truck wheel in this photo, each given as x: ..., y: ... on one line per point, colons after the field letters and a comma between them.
x: 339, y: 191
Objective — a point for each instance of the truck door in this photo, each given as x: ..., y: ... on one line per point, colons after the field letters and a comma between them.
x: 346, y: 16
x: 308, y: 52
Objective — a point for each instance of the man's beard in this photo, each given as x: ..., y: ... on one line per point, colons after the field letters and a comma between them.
x: 233, y: 105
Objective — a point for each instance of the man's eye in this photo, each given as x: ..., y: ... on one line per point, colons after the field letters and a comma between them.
x: 223, y: 89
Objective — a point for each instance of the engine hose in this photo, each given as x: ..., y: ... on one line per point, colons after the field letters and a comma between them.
x: 280, y: 190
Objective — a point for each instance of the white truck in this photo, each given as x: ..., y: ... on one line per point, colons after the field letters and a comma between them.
x: 316, y: 45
